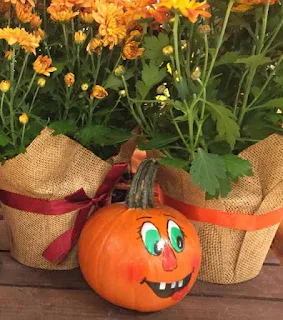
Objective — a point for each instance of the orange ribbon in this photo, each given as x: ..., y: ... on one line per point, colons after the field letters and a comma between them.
x: 237, y: 221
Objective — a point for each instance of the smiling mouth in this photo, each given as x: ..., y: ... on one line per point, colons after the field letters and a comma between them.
x: 167, y: 290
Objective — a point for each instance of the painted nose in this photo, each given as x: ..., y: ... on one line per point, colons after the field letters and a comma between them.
x: 169, y: 261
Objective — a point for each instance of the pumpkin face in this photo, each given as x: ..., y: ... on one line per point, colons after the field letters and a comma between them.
x: 144, y: 260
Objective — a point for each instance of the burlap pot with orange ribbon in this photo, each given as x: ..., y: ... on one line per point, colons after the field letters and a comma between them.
x: 235, y: 232
x: 48, y: 193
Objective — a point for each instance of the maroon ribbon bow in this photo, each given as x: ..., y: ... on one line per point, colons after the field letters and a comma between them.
x: 60, y: 247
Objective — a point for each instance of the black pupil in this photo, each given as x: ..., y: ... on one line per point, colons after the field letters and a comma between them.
x: 180, y: 242
x: 157, y: 249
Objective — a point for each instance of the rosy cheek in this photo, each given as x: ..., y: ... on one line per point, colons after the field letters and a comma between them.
x: 134, y: 272
x: 196, y: 263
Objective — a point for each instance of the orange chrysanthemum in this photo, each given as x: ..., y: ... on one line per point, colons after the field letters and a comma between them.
x: 95, y: 45
x: 98, y: 92
x: 61, y: 13
x: 188, y: 8
x: 131, y: 50
x: 86, y: 15
x: 27, y: 41
x: 42, y: 65
x: 245, y: 5
x: 23, y: 12
x: 110, y: 17
x: 31, y: 2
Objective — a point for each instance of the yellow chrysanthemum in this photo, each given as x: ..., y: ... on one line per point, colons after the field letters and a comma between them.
x: 109, y: 17
x: 14, y: 36
x: 42, y: 65
x: 9, y: 54
x: 86, y: 16
x: 80, y: 37
x: 35, y: 21
x: 191, y: 9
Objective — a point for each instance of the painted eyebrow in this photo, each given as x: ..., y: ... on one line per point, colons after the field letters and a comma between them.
x: 144, y: 218
x: 168, y: 215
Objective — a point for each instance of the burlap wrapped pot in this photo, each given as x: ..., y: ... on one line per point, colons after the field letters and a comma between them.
x: 52, y: 168
x: 233, y: 256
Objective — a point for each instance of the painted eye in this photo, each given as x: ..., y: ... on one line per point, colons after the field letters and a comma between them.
x: 176, y: 236
x: 151, y: 239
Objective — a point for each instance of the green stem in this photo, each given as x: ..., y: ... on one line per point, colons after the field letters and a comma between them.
x: 206, y: 56
x: 1, y: 110
x: 21, y: 73
x: 44, y: 15
x: 33, y: 99
x: 78, y: 58
x: 28, y: 90
x: 97, y: 69
x: 140, y: 123
x: 180, y: 132
x: 264, y: 26
x: 176, y: 44
x: 275, y: 33
x: 12, y: 68
x: 110, y: 112
x: 23, y: 135
x: 239, y: 91
x: 67, y: 105
x: 12, y: 123
x: 66, y: 40
x: 91, y: 110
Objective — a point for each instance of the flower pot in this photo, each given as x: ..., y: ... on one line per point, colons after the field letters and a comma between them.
x: 49, y: 192
x: 234, y: 251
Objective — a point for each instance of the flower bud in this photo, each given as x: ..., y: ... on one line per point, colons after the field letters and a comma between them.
x: 204, y: 29
x: 5, y: 85
x: 160, y: 89
x: 69, y: 79
x: 84, y: 87
x: 23, y: 118
x: 41, y: 82
x: 9, y: 54
x: 80, y: 37
x: 195, y: 75
x: 119, y: 71
x: 122, y: 93
x: 161, y: 98
x: 168, y: 50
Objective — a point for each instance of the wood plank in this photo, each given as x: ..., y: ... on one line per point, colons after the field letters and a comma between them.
x: 50, y: 304
x: 4, y: 240
x: 269, y: 284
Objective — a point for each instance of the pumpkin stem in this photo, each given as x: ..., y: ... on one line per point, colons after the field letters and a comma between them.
x: 141, y: 194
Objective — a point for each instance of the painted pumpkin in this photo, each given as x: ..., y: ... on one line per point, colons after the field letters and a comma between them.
x: 137, y: 255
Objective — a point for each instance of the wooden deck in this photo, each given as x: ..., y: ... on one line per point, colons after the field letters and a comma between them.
x: 31, y: 294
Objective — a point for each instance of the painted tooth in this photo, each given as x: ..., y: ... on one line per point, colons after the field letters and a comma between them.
x: 162, y: 286
x: 180, y: 283
x: 173, y: 285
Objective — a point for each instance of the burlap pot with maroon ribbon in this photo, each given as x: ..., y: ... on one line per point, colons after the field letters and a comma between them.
x: 235, y: 232
x: 48, y: 193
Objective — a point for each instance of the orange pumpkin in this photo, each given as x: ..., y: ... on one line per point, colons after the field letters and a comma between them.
x: 137, y: 255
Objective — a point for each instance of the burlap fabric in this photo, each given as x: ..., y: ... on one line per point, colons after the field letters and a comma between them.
x: 52, y: 167
x: 232, y: 256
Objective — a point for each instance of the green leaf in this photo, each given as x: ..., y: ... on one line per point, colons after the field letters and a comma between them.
x: 174, y: 162
x: 237, y: 167
x: 254, y: 61
x: 228, y: 57
x: 67, y: 127
x: 226, y: 124
x: 274, y: 103
x: 255, y: 91
x: 180, y: 106
x: 207, y: 169
x: 142, y: 89
x: 152, y: 75
x: 153, y: 48
x: 102, y: 136
x: 113, y: 82
x: 4, y: 140
x: 159, y: 141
